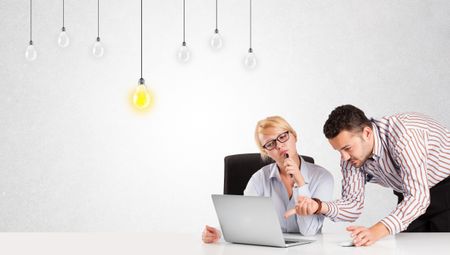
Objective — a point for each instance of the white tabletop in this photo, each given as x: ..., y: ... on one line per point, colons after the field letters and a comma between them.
x: 155, y: 244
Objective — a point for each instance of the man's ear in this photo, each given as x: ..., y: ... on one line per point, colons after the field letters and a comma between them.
x: 367, y: 133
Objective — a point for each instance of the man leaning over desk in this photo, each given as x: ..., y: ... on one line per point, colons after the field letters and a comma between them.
x: 407, y: 152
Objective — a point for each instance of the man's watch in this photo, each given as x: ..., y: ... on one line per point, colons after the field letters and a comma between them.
x: 319, y: 202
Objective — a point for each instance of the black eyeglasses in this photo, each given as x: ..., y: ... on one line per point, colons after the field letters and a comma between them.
x: 282, y: 138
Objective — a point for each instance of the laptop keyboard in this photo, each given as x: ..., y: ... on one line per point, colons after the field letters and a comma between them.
x: 297, y: 241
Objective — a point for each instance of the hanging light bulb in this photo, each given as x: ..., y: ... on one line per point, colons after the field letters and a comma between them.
x: 63, y: 39
x: 97, y: 49
x: 142, y: 97
x: 184, y: 54
x: 30, y: 52
x: 216, y: 41
x: 250, y: 60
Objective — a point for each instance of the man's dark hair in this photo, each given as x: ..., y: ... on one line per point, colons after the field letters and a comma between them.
x: 345, y: 117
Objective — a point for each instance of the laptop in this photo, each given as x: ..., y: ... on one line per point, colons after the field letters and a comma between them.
x: 251, y: 220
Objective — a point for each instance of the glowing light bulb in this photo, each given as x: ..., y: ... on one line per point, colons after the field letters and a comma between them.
x: 141, y: 97
x: 184, y: 54
x: 97, y: 49
x: 216, y: 41
x: 250, y: 60
x: 63, y: 39
x: 31, y: 53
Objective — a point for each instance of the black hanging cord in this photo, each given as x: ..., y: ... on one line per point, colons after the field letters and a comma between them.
x: 31, y: 21
x: 98, y: 19
x: 141, y: 80
x: 63, y: 17
x: 250, y: 24
x: 216, y: 17
x: 184, y: 21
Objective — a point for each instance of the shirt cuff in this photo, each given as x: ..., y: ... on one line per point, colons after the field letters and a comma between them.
x: 332, y: 210
x: 302, y: 191
x: 393, y: 224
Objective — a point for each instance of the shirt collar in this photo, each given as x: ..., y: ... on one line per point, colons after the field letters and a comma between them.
x: 305, y: 170
x: 274, y: 173
x: 377, y: 148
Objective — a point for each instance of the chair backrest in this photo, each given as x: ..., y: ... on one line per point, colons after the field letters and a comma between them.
x: 240, y: 167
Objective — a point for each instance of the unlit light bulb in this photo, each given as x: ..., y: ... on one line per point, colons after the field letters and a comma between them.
x: 97, y: 49
x: 141, y: 96
x: 250, y: 60
x: 31, y: 53
x: 184, y: 54
x: 216, y: 41
x: 63, y: 39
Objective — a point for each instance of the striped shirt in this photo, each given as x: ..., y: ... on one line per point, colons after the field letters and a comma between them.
x: 411, y: 154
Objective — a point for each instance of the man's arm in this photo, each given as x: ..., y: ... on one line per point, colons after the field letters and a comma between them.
x: 349, y: 206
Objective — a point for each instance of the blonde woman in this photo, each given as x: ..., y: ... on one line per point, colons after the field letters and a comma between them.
x: 295, y: 186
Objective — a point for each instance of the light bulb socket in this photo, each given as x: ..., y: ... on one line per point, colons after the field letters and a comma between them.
x: 63, y: 29
x: 250, y: 50
x: 31, y: 42
x: 98, y: 39
x: 183, y: 44
x: 141, y: 81
x: 216, y: 31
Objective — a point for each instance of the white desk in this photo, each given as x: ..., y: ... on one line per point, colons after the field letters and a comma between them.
x: 157, y: 244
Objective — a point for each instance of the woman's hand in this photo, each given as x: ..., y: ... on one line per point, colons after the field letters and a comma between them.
x: 291, y: 167
x: 210, y: 234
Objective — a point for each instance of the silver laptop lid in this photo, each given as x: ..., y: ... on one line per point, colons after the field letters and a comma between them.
x: 248, y: 220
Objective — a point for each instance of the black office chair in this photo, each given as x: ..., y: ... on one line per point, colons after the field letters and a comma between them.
x: 240, y: 167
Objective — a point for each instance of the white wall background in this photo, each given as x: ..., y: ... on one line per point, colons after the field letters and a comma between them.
x: 74, y: 156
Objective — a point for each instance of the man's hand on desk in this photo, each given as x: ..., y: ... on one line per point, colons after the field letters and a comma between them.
x: 210, y: 234
x: 363, y: 236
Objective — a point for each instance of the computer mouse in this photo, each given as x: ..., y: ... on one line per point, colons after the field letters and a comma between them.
x: 347, y: 244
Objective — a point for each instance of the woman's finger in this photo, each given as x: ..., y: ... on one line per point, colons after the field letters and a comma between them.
x: 290, y: 212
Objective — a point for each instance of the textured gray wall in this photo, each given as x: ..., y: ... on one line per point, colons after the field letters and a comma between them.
x: 74, y: 156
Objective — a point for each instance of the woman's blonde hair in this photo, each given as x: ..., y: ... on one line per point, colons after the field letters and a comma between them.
x: 276, y: 122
